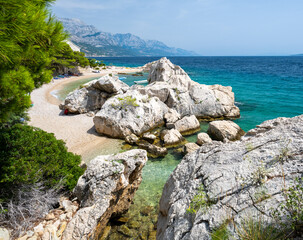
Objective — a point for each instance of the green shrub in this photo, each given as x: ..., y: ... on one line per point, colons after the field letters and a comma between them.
x: 200, y: 201
x: 251, y: 229
x: 290, y: 211
x: 221, y: 233
x: 29, y: 155
x: 127, y: 101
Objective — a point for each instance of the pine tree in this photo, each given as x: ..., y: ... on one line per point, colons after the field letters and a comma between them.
x: 29, y: 40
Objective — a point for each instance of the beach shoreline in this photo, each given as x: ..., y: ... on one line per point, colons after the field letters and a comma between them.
x: 77, y: 131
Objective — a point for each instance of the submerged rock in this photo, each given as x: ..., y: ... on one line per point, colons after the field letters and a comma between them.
x: 129, y: 113
x: 235, y: 180
x: 105, y: 189
x: 224, y: 130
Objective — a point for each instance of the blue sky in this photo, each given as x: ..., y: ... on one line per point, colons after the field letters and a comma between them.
x: 208, y: 27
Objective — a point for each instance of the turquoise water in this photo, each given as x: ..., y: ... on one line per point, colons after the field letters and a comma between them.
x: 264, y: 87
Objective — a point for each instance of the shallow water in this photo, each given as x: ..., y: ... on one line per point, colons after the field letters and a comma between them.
x: 70, y: 86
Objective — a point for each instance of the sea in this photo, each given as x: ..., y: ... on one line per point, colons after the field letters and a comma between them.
x: 264, y: 87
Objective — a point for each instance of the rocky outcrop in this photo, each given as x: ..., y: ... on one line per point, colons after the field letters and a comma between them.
x: 92, y: 96
x: 129, y: 113
x: 203, y: 138
x: 224, y: 130
x: 188, y: 125
x: 235, y: 180
x: 171, y: 84
x: 181, y: 96
x: 105, y: 190
x: 169, y: 96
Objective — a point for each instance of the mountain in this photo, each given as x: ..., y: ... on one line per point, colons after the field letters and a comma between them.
x: 97, y: 43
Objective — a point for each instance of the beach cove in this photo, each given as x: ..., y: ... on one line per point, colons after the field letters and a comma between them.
x: 146, y: 196
x: 76, y: 130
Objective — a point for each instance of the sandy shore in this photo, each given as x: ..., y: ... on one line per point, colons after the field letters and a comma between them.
x: 76, y: 130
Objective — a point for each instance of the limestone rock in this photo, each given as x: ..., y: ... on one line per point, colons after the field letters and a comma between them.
x: 93, y: 95
x: 50, y: 232
x: 243, y: 179
x: 107, y: 187
x: 25, y: 237
x: 39, y: 229
x: 131, y: 139
x: 172, y: 138
x: 173, y: 86
x: 220, y: 130
x: 110, y: 84
x: 4, y: 234
x: 153, y: 150
x: 32, y: 238
x: 129, y: 113
x: 190, y: 147
x: 61, y: 229
x: 187, y: 124
x: 203, y: 138
x: 50, y: 216
x: 147, y: 66
x: 164, y: 71
x: 149, y: 137
x: 172, y: 116
x: 68, y: 205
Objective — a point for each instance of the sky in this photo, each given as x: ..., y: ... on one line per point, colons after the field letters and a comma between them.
x: 208, y: 27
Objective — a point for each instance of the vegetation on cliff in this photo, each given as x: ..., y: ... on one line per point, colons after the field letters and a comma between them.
x: 34, y: 166
x: 32, y: 47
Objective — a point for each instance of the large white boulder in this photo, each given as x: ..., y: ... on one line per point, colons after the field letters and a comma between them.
x: 173, y: 86
x: 92, y: 95
x: 129, y: 113
x: 107, y: 187
x: 236, y: 182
